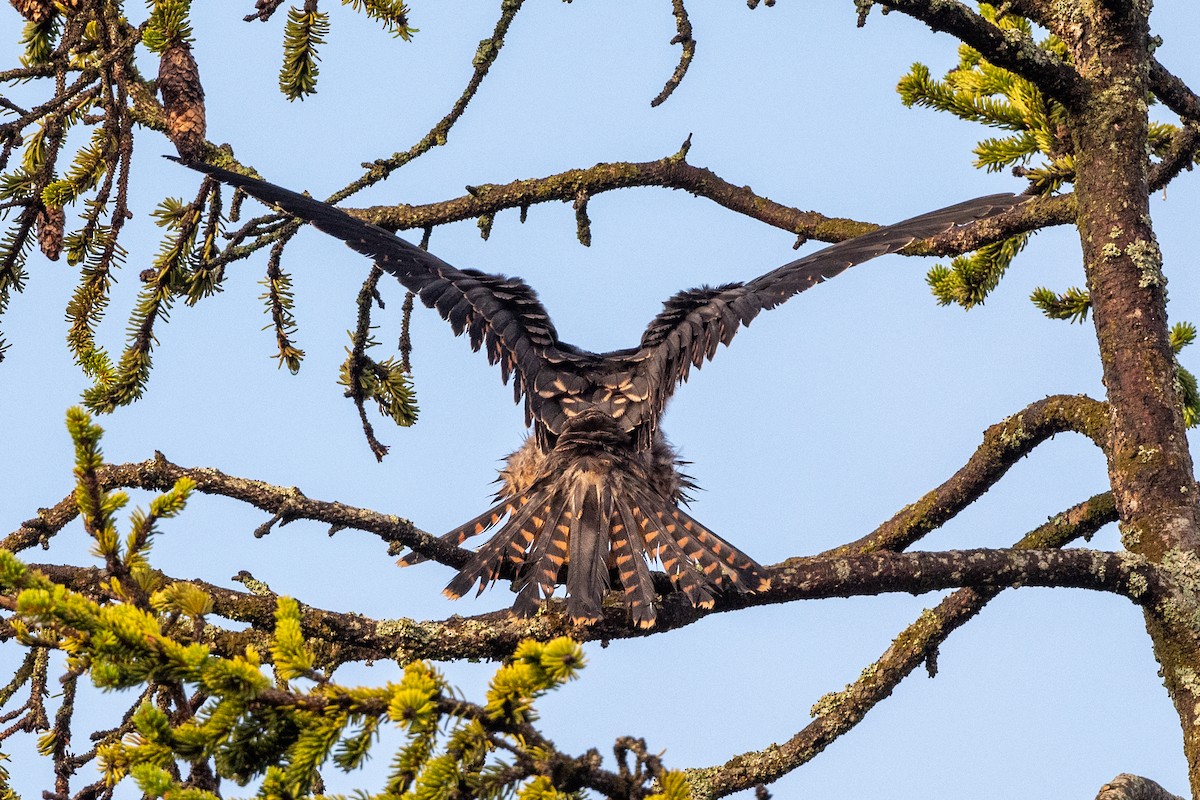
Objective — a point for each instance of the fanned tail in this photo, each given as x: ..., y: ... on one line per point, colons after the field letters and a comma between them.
x: 606, y: 517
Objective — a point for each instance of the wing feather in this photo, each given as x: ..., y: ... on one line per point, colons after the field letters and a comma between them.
x: 687, y: 331
x: 503, y: 313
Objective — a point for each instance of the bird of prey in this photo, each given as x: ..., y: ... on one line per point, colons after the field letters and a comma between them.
x: 596, y: 487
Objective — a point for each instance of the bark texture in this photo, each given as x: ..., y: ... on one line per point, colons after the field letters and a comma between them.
x: 1150, y: 468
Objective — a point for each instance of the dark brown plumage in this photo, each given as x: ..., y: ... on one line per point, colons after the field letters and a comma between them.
x: 596, y: 488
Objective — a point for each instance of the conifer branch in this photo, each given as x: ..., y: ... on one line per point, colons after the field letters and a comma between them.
x: 357, y: 361
x: 1008, y: 49
x: 343, y: 637
x: 485, y: 57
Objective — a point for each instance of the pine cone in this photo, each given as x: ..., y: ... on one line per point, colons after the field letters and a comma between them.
x: 183, y: 99
x: 50, y: 222
x: 35, y: 11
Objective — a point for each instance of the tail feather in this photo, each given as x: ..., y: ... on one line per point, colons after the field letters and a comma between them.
x: 627, y: 549
x: 587, y: 576
x: 545, y: 560
x: 508, y: 544
x: 472, y: 528
x: 675, y: 562
x: 717, y: 558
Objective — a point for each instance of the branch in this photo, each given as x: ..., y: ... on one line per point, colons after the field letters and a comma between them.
x: 378, y: 170
x: 1134, y: 787
x: 565, y: 770
x: 485, y: 57
x: 495, y: 635
x: 284, y: 504
x: 1003, y: 445
x: 673, y: 172
x: 1174, y: 93
x: 1005, y: 48
x: 334, y: 637
x: 983, y: 568
x: 838, y: 712
x: 683, y: 36
x: 1180, y: 155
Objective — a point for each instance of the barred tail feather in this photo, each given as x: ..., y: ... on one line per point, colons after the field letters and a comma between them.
x: 508, y: 544
x: 467, y: 530
x: 627, y: 555
x: 591, y: 526
x: 717, y: 558
x: 675, y: 562
x: 545, y: 560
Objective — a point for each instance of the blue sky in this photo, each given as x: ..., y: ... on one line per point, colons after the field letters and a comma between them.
x: 823, y: 419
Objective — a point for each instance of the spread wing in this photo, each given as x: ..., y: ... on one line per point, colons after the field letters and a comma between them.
x: 693, y: 322
x: 499, y: 314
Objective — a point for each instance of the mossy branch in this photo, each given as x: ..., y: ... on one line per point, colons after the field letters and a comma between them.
x: 1173, y: 92
x: 1004, y: 444
x: 838, y: 712
x: 683, y: 37
x: 673, y: 172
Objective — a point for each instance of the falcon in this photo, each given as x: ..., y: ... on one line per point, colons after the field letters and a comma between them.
x: 596, y: 489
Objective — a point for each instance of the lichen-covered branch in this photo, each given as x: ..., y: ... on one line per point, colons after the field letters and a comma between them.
x: 1134, y: 787
x: 1173, y: 92
x: 284, y: 504
x: 683, y: 37
x: 1004, y: 444
x: 494, y: 635
x: 838, y: 712
x: 1181, y: 154
x: 674, y: 172
x: 485, y: 57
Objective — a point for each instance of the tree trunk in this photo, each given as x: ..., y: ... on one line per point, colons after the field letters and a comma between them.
x: 1150, y: 467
